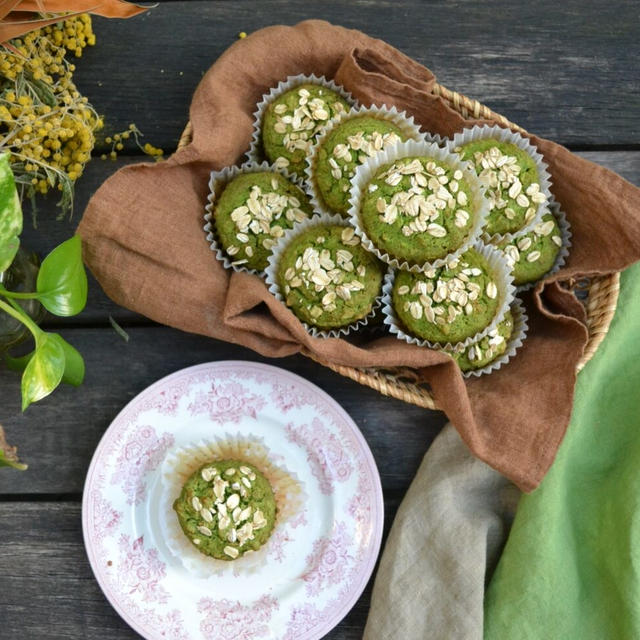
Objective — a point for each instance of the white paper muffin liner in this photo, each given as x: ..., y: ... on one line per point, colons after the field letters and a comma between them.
x: 478, y: 207
x: 563, y: 254
x: 400, y: 118
x: 217, y: 183
x: 272, y: 278
x: 256, y: 151
x: 478, y: 132
x: 506, y: 291
x: 514, y: 342
x: 181, y: 462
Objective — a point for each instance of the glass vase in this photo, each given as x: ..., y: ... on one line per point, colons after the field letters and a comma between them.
x: 21, y: 276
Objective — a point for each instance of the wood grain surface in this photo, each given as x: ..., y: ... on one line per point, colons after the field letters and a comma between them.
x: 565, y: 70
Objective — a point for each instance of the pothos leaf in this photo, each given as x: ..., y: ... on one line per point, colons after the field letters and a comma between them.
x: 62, y: 280
x: 8, y: 252
x: 10, y: 214
x: 73, y: 362
x: 44, y: 371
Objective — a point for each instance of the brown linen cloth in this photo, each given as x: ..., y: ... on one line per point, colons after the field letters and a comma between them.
x: 443, y: 546
x: 145, y: 244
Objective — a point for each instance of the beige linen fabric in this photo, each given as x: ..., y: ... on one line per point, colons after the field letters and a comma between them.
x: 443, y: 546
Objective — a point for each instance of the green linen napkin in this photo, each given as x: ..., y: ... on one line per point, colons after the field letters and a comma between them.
x: 571, y: 566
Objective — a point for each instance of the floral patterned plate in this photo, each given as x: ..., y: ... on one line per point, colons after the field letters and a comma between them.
x: 318, y: 563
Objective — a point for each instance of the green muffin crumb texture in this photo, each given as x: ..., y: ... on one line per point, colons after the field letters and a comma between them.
x: 226, y: 509
x: 479, y: 354
x: 510, y: 177
x: 349, y: 144
x: 253, y: 212
x: 291, y: 123
x: 327, y: 278
x: 417, y: 209
x: 533, y: 254
x: 448, y: 304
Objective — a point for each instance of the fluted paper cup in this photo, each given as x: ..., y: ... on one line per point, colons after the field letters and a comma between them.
x: 504, y: 282
x: 274, y: 287
x: 563, y: 253
x: 181, y: 463
x: 256, y: 151
x: 514, y: 342
x: 479, y: 207
x: 478, y: 132
x: 218, y: 180
x: 404, y: 122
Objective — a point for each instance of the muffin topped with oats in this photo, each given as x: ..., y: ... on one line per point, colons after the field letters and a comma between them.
x: 253, y: 211
x: 511, y: 181
x: 292, y: 121
x: 226, y: 509
x: 484, y: 351
x: 417, y: 209
x: 448, y: 304
x: 531, y: 255
x: 348, y: 144
x: 327, y: 278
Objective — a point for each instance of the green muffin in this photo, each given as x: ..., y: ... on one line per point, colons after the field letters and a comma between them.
x: 449, y: 304
x: 226, y: 509
x: 347, y: 145
x: 532, y: 254
x: 512, y: 182
x: 327, y: 278
x: 417, y: 209
x: 253, y: 211
x: 292, y: 121
x: 479, y: 354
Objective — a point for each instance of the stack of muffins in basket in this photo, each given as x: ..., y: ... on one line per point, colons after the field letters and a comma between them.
x: 350, y: 212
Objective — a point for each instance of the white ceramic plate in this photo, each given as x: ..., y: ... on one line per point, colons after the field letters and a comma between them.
x: 318, y: 563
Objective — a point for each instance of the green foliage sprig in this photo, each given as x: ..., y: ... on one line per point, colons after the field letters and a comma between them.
x: 61, y: 288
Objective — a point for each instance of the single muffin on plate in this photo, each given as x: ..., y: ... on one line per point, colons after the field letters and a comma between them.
x: 511, y: 180
x: 327, y: 278
x: 226, y: 509
x: 448, y: 304
x: 347, y: 144
x: 253, y: 211
x: 531, y: 255
x: 479, y: 354
x: 417, y: 210
x: 291, y: 122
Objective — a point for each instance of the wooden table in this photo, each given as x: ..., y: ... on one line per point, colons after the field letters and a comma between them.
x: 565, y: 70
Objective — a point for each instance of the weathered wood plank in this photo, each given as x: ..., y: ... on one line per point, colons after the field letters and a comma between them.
x: 58, y: 435
x: 566, y: 70
x: 51, y: 231
x: 47, y: 588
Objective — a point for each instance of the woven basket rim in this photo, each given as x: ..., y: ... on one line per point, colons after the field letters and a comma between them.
x: 403, y: 383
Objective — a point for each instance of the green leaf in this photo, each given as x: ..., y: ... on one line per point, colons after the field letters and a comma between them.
x: 44, y: 371
x: 73, y: 362
x: 10, y: 214
x: 8, y: 252
x: 62, y: 280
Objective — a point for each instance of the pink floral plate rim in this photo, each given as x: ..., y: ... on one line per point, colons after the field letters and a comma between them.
x: 278, y: 375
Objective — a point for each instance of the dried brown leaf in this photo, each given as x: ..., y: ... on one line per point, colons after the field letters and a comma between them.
x: 105, y: 8
x: 9, y: 454
x: 16, y: 19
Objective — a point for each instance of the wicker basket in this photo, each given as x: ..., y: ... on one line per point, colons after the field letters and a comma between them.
x: 600, y: 294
